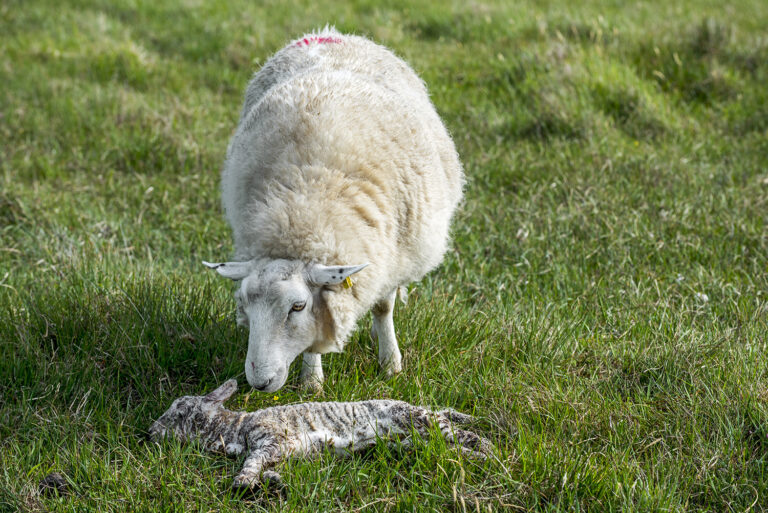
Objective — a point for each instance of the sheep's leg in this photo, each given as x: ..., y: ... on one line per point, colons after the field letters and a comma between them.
x: 253, y: 472
x: 311, y: 372
x: 383, y: 328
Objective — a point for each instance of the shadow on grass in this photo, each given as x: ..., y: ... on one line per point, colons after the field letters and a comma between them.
x: 128, y: 341
x: 698, y: 64
x: 628, y: 112
x: 533, y: 112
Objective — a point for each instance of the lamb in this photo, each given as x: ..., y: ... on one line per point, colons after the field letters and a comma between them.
x: 339, y: 166
x: 304, y: 430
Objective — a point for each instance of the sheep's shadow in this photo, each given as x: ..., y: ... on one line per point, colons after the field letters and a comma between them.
x: 127, y: 341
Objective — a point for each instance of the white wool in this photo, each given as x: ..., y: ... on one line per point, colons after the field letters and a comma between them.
x: 340, y: 158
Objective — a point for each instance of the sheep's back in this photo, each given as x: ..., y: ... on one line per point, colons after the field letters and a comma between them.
x: 340, y: 155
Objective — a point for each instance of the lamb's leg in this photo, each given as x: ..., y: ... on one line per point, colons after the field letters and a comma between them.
x: 311, y: 376
x: 455, y: 416
x: 253, y: 473
x: 471, y: 444
x: 383, y: 328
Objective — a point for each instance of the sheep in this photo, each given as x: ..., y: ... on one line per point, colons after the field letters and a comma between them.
x: 339, y: 167
x: 271, y: 435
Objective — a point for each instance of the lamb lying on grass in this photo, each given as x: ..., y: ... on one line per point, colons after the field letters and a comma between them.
x: 274, y: 434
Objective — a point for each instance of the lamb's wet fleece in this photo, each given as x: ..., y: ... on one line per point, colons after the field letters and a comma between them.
x: 273, y: 434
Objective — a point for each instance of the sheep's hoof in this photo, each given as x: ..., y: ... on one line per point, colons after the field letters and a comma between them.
x: 391, y: 368
x: 311, y: 385
x: 391, y: 372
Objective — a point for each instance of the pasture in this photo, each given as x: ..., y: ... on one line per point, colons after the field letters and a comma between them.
x: 603, y: 309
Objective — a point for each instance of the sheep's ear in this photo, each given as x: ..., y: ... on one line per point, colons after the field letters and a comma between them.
x: 231, y: 270
x: 222, y: 393
x: 318, y: 274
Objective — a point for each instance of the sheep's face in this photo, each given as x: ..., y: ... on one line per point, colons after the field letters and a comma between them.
x: 281, y: 304
x: 277, y: 305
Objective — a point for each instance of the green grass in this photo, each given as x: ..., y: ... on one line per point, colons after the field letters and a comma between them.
x: 617, y: 165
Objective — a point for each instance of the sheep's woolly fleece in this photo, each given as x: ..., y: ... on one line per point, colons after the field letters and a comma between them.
x: 340, y: 158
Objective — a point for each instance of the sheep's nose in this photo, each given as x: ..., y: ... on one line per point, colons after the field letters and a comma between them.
x: 264, y: 385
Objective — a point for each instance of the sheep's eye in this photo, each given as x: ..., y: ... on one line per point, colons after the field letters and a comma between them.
x: 298, y: 307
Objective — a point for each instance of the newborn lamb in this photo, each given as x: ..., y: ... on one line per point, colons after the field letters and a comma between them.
x: 273, y: 434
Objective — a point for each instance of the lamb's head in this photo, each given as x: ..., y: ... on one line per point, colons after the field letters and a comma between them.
x: 187, y: 414
x: 280, y: 301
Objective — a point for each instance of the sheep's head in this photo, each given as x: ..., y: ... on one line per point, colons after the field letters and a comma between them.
x: 187, y: 413
x: 280, y: 301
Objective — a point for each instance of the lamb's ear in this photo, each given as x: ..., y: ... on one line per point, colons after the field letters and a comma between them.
x: 318, y: 274
x: 231, y: 270
x: 222, y: 393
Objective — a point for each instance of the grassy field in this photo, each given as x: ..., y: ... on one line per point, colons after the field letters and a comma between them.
x: 603, y: 309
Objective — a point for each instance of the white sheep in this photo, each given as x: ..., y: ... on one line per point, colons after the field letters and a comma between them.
x: 339, y: 165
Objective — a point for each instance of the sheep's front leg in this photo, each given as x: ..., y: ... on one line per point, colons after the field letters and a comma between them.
x: 311, y: 376
x: 383, y: 328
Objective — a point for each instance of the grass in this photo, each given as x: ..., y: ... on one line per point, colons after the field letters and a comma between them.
x: 603, y: 310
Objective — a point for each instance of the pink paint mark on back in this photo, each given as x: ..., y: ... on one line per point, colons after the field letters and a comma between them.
x: 317, y: 39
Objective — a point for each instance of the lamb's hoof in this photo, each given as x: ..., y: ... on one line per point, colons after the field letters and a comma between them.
x: 245, y: 491
x: 271, y: 479
x: 270, y: 484
x: 473, y: 455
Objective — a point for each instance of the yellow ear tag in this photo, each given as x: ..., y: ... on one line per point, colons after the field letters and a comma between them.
x: 347, y: 283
